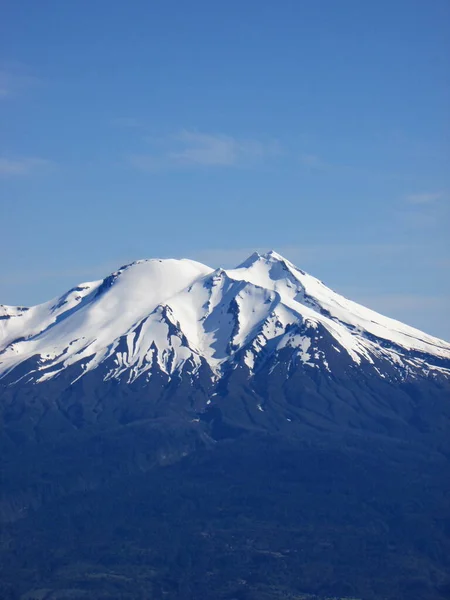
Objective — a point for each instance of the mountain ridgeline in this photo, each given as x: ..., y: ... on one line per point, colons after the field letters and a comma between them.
x: 306, y: 437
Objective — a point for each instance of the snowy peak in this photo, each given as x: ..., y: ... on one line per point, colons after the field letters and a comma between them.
x: 173, y: 315
x: 319, y: 302
x: 267, y: 257
x: 270, y: 264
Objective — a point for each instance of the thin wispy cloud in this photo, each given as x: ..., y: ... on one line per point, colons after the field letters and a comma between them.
x: 424, y: 197
x: 312, y: 161
x: 194, y: 149
x: 4, y: 85
x: 423, y: 211
x: 14, y: 79
x: 220, y: 150
x: 126, y: 122
x: 16, y: 167
x: 316, y: 163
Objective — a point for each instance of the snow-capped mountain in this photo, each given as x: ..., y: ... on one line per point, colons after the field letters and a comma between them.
x: 175, y: 316
x: 262, y: 346
x: 257, y: 379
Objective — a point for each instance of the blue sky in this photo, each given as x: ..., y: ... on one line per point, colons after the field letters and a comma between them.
x: 211, y: 129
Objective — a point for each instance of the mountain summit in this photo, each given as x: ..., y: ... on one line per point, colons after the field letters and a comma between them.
x: 262, y: 345
x: 177, y: 315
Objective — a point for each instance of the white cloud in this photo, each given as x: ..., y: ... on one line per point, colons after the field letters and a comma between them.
x: 146, y: 162
x: 333, y: 168
x: 190, y: 149
x: 22, y: 166
x: 126, y: 122
x: 424, y: 211
x: 206, y: 149
x: 14, y: 78
x: 312, y: 161
x: 424, y: 197
x: 4, y: 86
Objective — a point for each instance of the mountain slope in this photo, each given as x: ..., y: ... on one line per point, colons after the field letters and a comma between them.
x: 178, y: 431
x: 264, y: 346
x: 171, y: 313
